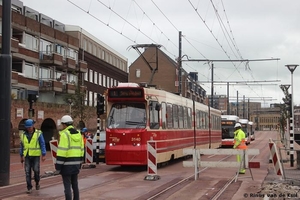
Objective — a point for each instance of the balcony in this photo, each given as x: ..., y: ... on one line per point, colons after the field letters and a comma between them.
x: 71, y: 63
x: 50, y: 85
x: 70, y: 88
x: 14, y: 78
x: 14, y: 47
x: 51, y: 59
x: 27, y: 54
x: 26, y: 82
x: 82, y: 66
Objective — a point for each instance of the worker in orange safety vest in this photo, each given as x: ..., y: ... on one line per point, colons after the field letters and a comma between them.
x: 239, y: 143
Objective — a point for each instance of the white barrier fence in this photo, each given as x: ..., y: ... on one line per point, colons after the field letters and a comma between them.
x: 198, y: 163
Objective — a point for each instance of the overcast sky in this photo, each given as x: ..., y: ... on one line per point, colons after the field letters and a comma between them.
x: 213, y: 30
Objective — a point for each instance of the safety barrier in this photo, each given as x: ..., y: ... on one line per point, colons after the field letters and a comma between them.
x: 198, y: 163
x: 152, y: 161
x: 88, y: 155
x: 89, y: 151
x: 275, y: 158
x: 53, y: 147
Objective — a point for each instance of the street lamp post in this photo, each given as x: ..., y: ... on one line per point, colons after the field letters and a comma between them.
x: 292, y: 69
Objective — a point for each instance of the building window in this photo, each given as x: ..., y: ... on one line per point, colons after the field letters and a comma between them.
x: 108, y: 82
x: 30, y: 71
x: 138, y: 73
x: 104, y: 81
x: 86, y: 76
x: 84, y: 44
x: 94, y: 99
x: 31, y: 42
x: 90, y: 98
x: 95, y: 77
x: 45, y: 73
x: 72, y: 79
x: 100, y: 79
x: 91, y: 76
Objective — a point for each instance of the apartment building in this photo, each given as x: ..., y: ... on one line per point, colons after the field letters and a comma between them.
x: 50, y: 62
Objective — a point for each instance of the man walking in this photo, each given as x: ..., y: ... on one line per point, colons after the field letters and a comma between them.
x: 69, y: 157
x: 32, y: 147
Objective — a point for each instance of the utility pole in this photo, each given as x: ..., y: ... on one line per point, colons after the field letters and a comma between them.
x: 244, y: 110
x: 212, y: 86
x: 237, y: 103
x: 5, y: 91
x: 179, y: 65
x: 228, y: 108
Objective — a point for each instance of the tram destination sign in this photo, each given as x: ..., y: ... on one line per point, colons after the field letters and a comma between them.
x: 228, y: 122
x: 126, y: 93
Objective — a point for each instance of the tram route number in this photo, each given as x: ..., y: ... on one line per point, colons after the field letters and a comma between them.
x: 135, y: 139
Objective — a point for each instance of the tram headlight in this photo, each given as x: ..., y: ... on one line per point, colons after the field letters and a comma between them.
x: 136, y: 144
x: 112, y: 144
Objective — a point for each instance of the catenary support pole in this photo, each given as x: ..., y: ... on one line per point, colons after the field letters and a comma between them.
x: 5, y: 91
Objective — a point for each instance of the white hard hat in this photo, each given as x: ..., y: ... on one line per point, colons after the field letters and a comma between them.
x: 237, y: 125
x: 66, y: 119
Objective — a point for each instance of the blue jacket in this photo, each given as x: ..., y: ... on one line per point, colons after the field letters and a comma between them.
x: 41, y: 141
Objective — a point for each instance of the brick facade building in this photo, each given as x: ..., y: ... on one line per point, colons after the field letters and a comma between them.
x: 57, y: 63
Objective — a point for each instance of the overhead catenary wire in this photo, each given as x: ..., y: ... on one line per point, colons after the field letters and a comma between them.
x: 139, y: 31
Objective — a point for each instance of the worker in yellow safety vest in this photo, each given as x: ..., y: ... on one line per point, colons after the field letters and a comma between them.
x: 69, y: 157
x: 239, y: 143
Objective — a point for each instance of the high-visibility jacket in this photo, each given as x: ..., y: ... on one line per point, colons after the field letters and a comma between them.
x: 239, y: 139
x: 33, y: 147
x: 70, y: 151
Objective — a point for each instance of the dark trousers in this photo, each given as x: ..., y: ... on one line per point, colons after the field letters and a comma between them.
x: 32, y: 162
x: 71, y: 180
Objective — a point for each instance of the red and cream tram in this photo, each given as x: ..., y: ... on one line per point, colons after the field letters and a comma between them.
x: 228, y: 122
x: 139, y: 114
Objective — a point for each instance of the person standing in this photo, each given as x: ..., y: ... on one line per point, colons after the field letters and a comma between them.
x: 31, y: 148
x: 240, y: 143
x: 69, y: 157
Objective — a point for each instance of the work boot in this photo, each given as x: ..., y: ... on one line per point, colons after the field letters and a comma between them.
x: 29, y: 191
x: 37, y: 186
x: 242, y: 171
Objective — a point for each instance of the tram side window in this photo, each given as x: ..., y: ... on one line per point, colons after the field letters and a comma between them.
x: 180, y: 116
x: 154, y: 108
x: 185, y: 117
x: 205, y: 120
x: 169, y: 116
x: 198, y: 118
x: 202, y: 120
x: 189, y: 118
x: 214, y: 122
x: 164, y: 115
x: 175, y: 116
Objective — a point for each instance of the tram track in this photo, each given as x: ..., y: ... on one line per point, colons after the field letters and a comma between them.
x: 111, y: 182
x: 214, y: 196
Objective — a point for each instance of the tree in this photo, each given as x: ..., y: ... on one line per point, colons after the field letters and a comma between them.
x: 76, y: 103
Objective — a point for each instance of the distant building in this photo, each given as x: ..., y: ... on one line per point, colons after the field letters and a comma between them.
x: 154, y: 67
